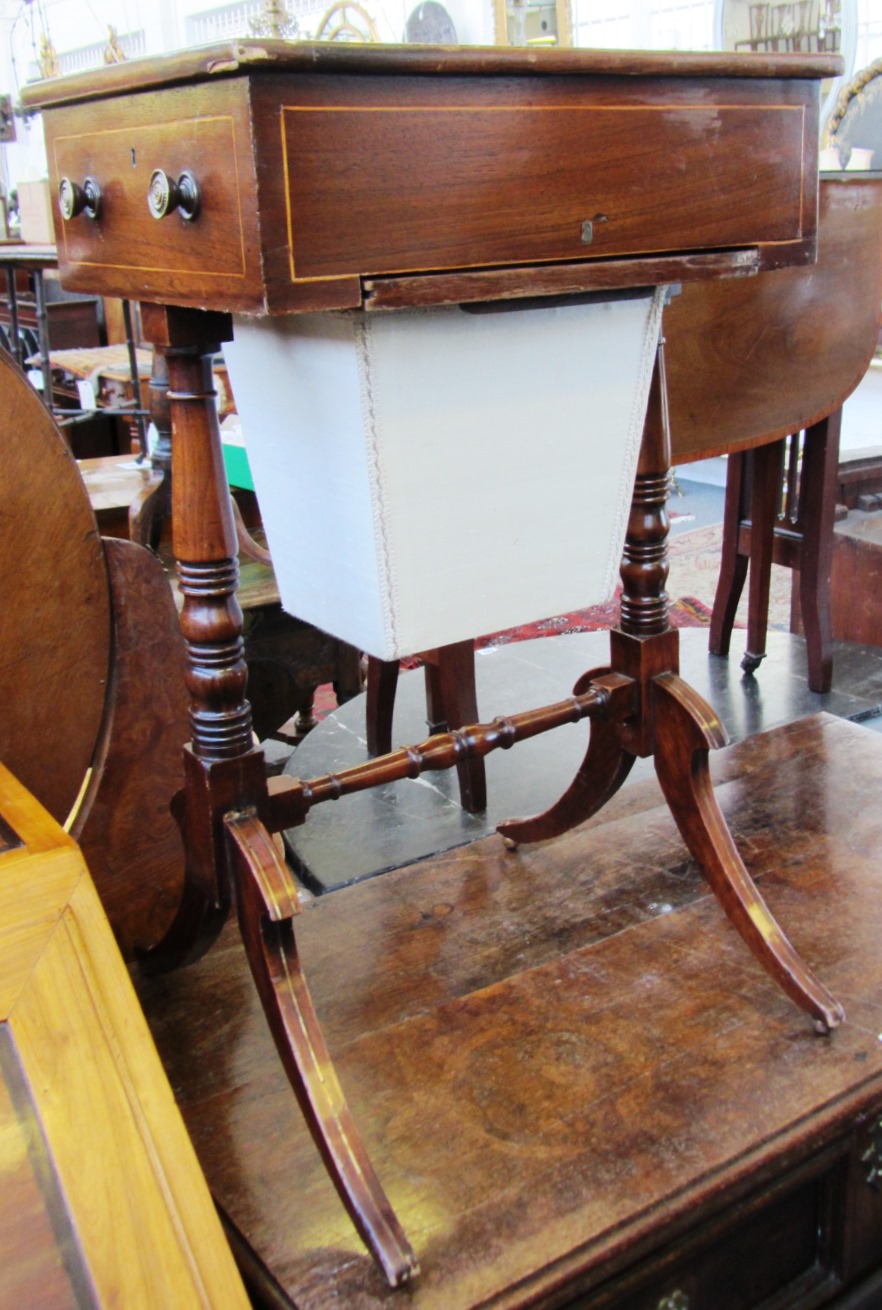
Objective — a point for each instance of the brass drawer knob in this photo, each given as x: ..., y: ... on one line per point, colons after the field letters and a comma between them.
x: 676, y: 1301
x: 74, y: 199
x: 166, y: 195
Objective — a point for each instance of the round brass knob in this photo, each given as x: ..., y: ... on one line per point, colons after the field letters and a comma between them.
x: 74, y: 199
x: 676, y: 1301
x: 166, y: 195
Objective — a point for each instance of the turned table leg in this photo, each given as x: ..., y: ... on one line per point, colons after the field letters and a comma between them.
x: 224, y: 807
x: 672, y: 723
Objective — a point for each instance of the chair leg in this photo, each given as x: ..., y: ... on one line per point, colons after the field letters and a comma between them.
x: 817, y: 505
x: 381, y: 684
x: 266, y: 901
x: 765, y: 499
x: 733, y: 565
x: 451, y: 702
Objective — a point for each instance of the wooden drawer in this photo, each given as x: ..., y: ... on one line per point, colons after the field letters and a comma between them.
x: 203, y: 129
x: 769, y: 1247
x: 389, y: 179
x: 792, y: 1246
x: 315, y: 178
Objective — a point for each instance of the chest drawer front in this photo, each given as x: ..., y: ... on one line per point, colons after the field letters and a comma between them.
x: 480, y: 181
x: 120, y: 143
x: 775, y: 1250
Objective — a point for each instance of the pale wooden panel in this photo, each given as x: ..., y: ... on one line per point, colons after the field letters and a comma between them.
x: 30, y: 909
x: 34, y: 825
x: 140, y: 1205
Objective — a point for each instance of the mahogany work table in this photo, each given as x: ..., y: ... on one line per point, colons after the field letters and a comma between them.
x: 266, y: 178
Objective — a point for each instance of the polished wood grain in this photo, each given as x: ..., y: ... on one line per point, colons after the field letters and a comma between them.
x: 95, y: 709
x: 219, y: 251
x: 756, y: 359
x: 607, y: 695
x: 54, y: 691
x: 318, y: 173
x: 577, y: 1086
x: 670, y: 721
x: 371, y: 188
x: 773, y: 357
x: 124, y: 825
x: 686, y: 731
x: 267, y: 901
x: 230, y: 59
x: 120, y: 1187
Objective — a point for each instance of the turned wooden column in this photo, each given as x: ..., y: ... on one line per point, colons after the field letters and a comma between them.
x: 645, y: 645
x: 644, y: 568
x: 223, y: 770
x: 204, y: 535
x: 207, y: 564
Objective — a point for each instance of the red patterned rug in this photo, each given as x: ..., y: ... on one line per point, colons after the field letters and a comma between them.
x: 685, y: 613
x: 688, y: 612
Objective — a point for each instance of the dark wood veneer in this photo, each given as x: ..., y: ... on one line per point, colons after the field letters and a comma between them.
x: 319, y: 171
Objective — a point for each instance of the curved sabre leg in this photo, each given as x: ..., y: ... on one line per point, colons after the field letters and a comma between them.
x: 686, y: 727
x: 267, y: 900
x: 600, y: 775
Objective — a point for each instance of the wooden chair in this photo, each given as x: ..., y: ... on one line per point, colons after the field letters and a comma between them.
x: 750, y: 363
x: 94, y: 700
x: 451, y: 702
x: 780, y: 507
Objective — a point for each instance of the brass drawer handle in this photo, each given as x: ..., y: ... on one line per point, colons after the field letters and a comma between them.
x: 165, y: 195
x: 74, y: 199
x: 676, y: 1301
x: 872, y: 1157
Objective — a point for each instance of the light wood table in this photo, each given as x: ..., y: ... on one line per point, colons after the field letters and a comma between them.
x: 102, y: 1201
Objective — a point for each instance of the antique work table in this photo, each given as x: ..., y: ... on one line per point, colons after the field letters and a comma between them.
x: 266, y: 178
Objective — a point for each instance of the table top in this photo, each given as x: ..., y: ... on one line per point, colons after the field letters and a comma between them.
x: 750, y: 360
x: 22, y: 255
x: 558, y: 1057
x: 266, y: 58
